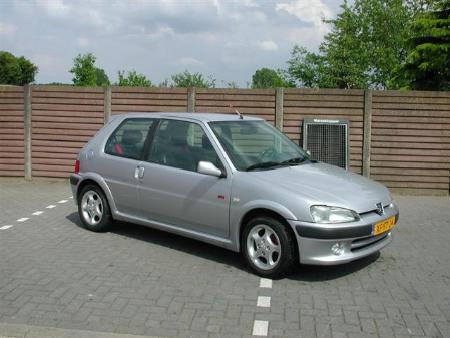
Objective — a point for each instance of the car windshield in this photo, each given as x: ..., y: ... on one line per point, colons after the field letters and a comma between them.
x: 256, y: 145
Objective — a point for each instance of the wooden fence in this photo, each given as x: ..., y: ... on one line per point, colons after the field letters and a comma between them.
x: 399, y: 138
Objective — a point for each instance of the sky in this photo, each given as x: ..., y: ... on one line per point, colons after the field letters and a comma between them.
x: 226, y: 39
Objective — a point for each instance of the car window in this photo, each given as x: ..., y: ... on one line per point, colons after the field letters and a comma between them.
x: 181, y: 144
x: 251, y: 142
x: 129, y: 138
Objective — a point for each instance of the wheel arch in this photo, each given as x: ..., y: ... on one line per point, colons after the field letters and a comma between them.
x: 268, y: 212
x: 98, y: 181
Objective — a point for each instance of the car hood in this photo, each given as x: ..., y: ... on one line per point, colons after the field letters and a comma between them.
x: 325, y: 184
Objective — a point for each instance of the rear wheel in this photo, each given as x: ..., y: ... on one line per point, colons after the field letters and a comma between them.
x: 268, y: 247
x: 93, y: 209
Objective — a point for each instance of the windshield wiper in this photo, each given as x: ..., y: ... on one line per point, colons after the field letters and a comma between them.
x: 259, y: 165
x: 294, y: 160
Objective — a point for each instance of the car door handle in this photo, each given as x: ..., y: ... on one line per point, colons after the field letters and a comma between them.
x: 139, y: 172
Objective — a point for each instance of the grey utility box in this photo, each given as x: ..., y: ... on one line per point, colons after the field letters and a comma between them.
x: 327, y: 140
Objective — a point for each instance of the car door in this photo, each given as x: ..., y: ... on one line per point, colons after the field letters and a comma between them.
x: 172, y: 192
x: 121, y: 157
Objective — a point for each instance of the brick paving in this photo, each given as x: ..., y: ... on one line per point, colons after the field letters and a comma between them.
x: 138, y: 281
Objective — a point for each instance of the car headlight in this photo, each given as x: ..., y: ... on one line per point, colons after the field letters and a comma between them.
x: 326, y: 214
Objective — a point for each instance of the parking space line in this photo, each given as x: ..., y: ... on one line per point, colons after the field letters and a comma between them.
x: 62, y: 201
x: 260, y: 328
x: 51, y: 206
x: 23, y: 219
x: 37, y: 213
x: 265, y: 283
x: 5, y: 227
x: 263, y: 301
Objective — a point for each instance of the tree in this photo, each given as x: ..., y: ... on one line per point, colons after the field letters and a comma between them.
x: 101, y: 79
x: 366, y: 42
x: 187, y: 79
x: 427, y: 66
x: 133, y: 79
x: 16, y: 71
x: 86, y: 74
x: 269, y: 78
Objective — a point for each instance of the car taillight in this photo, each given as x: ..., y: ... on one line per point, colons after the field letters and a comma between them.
x: 77, y: 167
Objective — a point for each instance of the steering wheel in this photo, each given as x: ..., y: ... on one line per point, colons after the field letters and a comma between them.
x: 267, y: 152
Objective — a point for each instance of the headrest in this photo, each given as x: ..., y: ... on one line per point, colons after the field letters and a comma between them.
x: 206, y: 144
x: 131, y: 137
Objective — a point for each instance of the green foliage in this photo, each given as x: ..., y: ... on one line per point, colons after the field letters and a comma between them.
x: 427, y: 66
x: 133, y: 79
x: 269, y: 78
x: 230, y: 84
x: 16, y: 71
x: 366, y: 42
x: 187, y: 79
x: 101, y: 79
x: 86, y: 74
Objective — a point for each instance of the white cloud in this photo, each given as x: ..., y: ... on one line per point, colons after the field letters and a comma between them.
x: 190, y: 61
x: 54, y: 8
x: 7, y: 29
x: 82, y: 41
x: 268, y: 45
x: 311, y: 11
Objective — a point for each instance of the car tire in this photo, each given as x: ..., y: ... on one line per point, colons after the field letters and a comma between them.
x: 93, y: 209
x: 268, y: 247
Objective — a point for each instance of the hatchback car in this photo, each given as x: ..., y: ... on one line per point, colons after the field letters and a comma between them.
x: 232, y: 181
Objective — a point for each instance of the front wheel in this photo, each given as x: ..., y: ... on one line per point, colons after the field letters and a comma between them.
x: 268, y: 247
x: 93, y: 209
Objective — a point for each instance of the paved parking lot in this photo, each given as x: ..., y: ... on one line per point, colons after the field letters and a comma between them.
x: 58, y: 279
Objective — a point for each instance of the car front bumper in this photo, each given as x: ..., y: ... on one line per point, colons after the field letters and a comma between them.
x: 317, y: 242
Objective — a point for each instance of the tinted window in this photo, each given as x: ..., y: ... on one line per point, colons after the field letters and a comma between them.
x: 128, y: 139
x: 182, y: 145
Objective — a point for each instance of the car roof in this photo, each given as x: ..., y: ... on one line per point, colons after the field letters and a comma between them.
x: 203, y: 117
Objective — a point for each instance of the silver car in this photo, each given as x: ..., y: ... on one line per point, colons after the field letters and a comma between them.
x: 232, y: 181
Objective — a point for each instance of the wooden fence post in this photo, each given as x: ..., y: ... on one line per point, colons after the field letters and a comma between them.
x: 367, y: 133
x: 107, y: 104
x: 279, y: 108
x: 27, y: 131
x: 191, y: 99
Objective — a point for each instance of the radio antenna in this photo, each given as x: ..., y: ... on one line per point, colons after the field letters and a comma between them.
x: 237, y: 112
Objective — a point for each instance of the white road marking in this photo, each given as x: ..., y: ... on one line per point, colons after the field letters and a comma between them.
x: 260, y: 328
x: 51, y: 206
x: 265, y: 283
x: 70, y: 197
x: 37, y: 213
x: 62, y: 201
x: 22, y: 219
x: 263, y: 301
x: 5, y: 227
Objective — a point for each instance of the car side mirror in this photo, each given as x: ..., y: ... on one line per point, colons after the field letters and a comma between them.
x: 208, y: 168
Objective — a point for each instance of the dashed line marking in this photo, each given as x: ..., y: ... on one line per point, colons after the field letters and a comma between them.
x: 265, y: 283
x: 51, y: 206
x: 5, y: 227
x: 71, y: 197
x: 37, y: 213
x: 263, y: 301
x: 260, y: 328
x: 62, y: 201
x: 23, y: 219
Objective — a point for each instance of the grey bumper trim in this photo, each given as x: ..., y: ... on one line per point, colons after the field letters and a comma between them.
x: 74, y: 180
x: 333, y: 233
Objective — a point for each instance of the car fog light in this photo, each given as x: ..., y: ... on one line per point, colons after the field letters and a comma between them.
x: 337, y: 249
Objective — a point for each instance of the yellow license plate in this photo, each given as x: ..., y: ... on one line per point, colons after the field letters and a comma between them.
x: 384, y: 226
